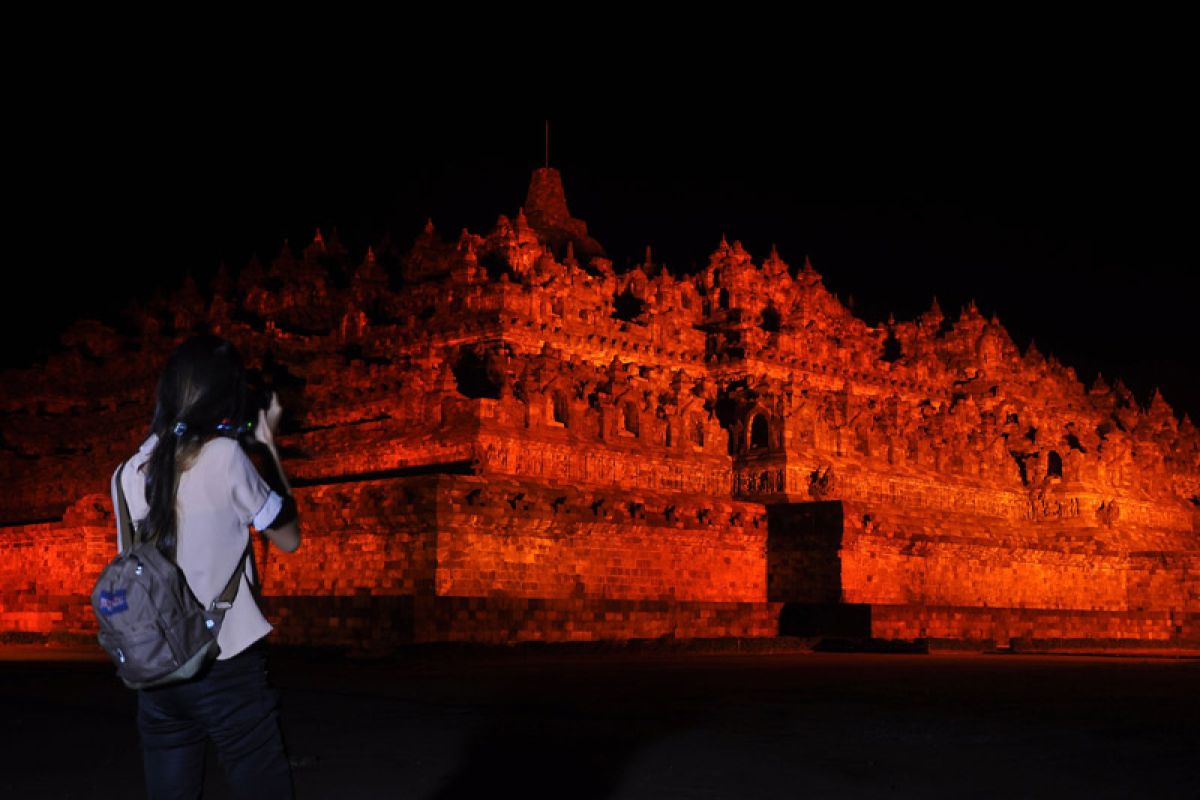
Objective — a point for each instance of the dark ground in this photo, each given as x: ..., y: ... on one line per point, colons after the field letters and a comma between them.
x: 557, y: 722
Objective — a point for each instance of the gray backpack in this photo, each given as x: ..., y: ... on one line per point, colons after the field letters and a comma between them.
x: 151, y: 625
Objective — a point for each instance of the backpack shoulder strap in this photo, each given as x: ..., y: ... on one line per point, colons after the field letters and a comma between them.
x: 121, y: 508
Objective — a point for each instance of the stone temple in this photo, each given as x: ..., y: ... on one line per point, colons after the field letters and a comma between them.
x: 499, y: 438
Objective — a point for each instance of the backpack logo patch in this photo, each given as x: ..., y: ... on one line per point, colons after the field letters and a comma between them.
x: 113, y: 602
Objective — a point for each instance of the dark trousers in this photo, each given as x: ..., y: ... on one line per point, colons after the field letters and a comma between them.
x: 232, y: 704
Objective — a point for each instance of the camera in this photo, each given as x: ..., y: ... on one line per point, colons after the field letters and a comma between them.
x: 256, y: 396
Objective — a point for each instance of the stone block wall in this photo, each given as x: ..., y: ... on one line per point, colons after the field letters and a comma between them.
x: 505, y: 620
x: 47, y: 570
x: 374, y: 537
x: 1001, y: 625
x: 521, y: 539
x: 449, y: 558
x: 965, y: 577
x: 889, y: 557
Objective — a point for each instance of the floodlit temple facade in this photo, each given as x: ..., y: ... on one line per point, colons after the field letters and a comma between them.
x: 499, y: 438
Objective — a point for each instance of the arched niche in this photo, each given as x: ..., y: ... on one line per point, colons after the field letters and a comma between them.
x: 1054, y: 464
x: 559, y: 407
x: 629, y: 417
x: 760, y: 433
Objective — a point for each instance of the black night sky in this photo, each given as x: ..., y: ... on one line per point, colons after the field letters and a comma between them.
x: 1069, y: 215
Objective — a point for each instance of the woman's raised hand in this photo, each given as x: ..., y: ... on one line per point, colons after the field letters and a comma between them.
x: 268, y: 421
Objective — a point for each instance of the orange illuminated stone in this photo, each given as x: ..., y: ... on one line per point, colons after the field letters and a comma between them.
x: 499, y: 438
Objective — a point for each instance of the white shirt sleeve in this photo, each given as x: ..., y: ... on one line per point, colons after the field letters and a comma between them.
x: 253, y: 499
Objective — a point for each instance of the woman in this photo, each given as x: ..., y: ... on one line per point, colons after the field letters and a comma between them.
x: 193, y: 489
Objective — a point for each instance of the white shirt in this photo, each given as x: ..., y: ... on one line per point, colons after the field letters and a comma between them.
x: 219, y: 496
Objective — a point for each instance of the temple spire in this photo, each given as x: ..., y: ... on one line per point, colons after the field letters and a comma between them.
x: 547, y: 213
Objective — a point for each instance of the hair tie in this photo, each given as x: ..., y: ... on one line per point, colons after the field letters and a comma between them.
x: 180, y: 428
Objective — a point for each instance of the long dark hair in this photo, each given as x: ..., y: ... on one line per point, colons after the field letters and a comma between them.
x: 203, y: 385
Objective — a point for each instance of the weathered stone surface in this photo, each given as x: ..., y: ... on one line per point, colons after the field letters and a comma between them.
x: 499, y: 437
